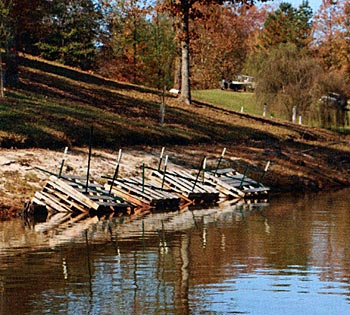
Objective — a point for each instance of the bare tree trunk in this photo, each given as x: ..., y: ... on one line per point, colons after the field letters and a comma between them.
x: 177, y: 73
x: 185, y: 56
x: 11, y: 69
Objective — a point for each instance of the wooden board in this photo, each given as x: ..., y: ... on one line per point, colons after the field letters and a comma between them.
x: 144, y: 194
x: 185, y: 184
x: 233, y: 184
x: 70, y: 194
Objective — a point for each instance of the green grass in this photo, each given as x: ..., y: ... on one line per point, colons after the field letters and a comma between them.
x: 229, y: 99
x: 54, y: 107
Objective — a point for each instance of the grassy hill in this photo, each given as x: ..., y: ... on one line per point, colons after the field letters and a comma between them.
x: 230, y: 100
x: 55, y: 106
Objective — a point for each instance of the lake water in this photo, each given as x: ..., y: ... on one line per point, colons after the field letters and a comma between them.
x: 291, y: 256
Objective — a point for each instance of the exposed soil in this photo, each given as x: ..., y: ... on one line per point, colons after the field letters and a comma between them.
x: 55, y: 106
x: 291, y: 169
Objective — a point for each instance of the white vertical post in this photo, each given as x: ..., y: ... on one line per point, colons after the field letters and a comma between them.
x: 294, y: 115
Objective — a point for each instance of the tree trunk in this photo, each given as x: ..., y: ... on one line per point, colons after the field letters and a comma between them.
x: 11, y: 67
x: 177, y: 73
x: 134, y: 47
x: 185, y: 55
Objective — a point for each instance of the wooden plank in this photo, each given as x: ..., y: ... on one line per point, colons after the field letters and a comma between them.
x: 154, y: 195
x: 151, y: 196
x: 171, y: 181
x: 73, y: 177
x: 262, y: 189
x: 181, y: 184
x: 132, y: 199
x: 152, y: 200
x: 101, y: 197
x: 223, y: 171
x: 206, y: 186
x: 186, y: 182
x: 132, y: 189
x: 113, y: 204
x: 218, y: 180
x: 157, y: 196
x: 154, y: 189
x: 238, y: 184
x: 50, y: 202
x: 184, y: 186
x: 61, y: 197
x: 62, y: 185
x: 92, y: 185
x: 92, y: 191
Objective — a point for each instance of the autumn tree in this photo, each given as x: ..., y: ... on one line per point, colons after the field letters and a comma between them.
x: 331, y: 29
x: 183, y: 12
x: 288, y: 25
x: 221, y: 42
x: 125, y: 37
x: 286, y: 76
x: 345, y: 40
x: 326, y: 33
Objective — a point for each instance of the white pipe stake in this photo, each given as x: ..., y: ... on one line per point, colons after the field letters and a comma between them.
x: 223, y: 152
x: 65, y: 153
x: 119, y: 155
x: 161, y: 153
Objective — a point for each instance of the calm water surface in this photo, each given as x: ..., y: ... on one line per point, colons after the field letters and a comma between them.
x: 291, y: 256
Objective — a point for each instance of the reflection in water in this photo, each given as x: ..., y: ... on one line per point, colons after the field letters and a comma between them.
x: 289, y: 256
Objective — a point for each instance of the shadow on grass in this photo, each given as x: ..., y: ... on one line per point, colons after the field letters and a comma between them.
x: 78, y: 76
x: 56, y: 106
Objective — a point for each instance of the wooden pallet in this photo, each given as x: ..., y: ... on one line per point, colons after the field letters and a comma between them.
x: 188, y: 186
x: 69, y: 194
x: 147, y: 195
x: 234, y: 184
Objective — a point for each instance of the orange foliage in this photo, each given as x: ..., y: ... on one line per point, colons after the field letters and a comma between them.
x: 222, y: 42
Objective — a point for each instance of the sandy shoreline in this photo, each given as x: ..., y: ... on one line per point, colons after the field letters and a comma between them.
x: 20, y: 176
x: 290, y: 170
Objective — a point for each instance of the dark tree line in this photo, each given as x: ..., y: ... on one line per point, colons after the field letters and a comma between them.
x: 129, y: 40
x: 293, y: 52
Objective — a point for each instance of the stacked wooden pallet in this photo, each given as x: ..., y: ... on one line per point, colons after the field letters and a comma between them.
x: 188, y: 186
x: 71, y: 194
x: 144, y: 195
x: 233, y: 184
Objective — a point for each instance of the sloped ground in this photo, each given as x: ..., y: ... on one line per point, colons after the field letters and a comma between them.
x: 56, y: 107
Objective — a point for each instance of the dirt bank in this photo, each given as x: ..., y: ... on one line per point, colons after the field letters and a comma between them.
x: 292, y: 168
